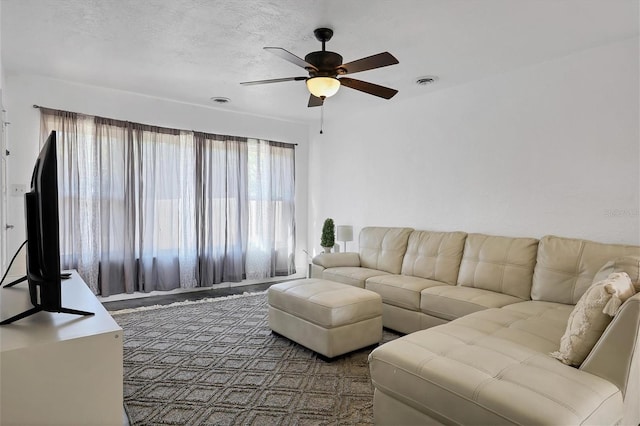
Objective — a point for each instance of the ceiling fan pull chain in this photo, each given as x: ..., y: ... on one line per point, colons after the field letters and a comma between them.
x: 321, y: 117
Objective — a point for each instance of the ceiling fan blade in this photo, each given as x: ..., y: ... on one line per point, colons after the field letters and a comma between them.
x: 288, y: 56
x: 370, y: 88
x: 370, y: 62
x: 315, y: 101
x: 274, y: 80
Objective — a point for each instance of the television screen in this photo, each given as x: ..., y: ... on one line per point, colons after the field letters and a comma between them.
x: 43, y: 248
x: 42, y: 228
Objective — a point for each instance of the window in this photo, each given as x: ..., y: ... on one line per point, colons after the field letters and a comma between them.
x: 146, y: 208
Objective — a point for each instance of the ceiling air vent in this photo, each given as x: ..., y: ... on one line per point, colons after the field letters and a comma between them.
x: 426, y: 80
x: 220, y: 100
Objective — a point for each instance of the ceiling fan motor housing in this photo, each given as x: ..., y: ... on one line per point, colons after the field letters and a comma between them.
x: 326, y: 63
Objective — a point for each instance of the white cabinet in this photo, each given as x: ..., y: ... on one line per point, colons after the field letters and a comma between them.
x: 56, y: 368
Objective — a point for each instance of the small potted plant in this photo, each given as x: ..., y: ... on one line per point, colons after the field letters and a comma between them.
x: 328, y: 239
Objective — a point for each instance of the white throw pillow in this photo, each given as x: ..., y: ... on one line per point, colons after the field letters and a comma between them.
x: 591, y: 316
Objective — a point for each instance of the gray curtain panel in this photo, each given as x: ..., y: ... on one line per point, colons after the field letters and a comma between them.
x: 221, y: 202
x: 146, y: 208
x: 114, y: 193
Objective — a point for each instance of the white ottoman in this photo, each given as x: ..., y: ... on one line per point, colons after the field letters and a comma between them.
x: 327, y: 317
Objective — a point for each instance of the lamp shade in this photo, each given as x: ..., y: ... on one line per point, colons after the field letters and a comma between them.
x: 345, y: 233
x: 323, y: 87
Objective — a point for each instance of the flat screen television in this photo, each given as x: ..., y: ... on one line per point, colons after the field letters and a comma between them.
x: 43, y: 243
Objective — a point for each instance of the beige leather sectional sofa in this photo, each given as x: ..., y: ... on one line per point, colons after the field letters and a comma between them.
x: 501, y: 305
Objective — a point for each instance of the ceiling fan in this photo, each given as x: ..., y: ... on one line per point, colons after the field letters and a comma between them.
x: 324, y: 67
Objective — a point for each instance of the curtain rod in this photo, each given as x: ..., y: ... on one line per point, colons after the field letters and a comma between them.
x: 54, y: 109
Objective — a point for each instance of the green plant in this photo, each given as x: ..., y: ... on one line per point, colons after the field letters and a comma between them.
x: 328, y: 234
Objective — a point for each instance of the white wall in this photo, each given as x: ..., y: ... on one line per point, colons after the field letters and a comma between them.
x: 548, y: 149
x: 1, y: 67
x: 22, y: 92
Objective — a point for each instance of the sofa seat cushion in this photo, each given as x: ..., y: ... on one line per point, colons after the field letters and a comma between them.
x: 535, y: 325
x: 451, y: 302
x: 402, y: 291
x: 474, y: 371
x: 351, y: 275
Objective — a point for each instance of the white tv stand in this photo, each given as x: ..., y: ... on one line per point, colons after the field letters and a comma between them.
x: 60, y: 368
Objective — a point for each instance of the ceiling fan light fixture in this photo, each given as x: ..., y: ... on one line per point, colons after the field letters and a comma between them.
x: 323, y: 87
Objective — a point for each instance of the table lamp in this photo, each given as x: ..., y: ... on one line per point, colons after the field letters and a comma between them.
x: 344, y: 234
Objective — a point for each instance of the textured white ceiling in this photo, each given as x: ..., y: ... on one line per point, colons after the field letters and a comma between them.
x: 191, y: 50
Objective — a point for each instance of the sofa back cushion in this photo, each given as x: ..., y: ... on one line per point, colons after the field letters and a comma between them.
x: 628, y: 264
x: 501, y: 264
x: 383, y: 248
x: 566, y: 267
x: 434, y: 255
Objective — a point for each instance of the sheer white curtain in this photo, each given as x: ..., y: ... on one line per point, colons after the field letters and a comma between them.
x: 78, y: 184
x: 270, y: 250
x: 165, y: 194
x: 146, y: 208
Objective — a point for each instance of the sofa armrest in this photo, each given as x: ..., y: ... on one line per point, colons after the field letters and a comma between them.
x: 616, y: 356
x: 334, y: 260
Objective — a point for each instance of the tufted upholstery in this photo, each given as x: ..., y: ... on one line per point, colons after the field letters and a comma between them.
x: 434, y: 255
x: 490, y: 367
x: 501, y: 264
x: 432, y: 259
x: 628, y: 264
x: 383, y: 248
x: 324, y: 303
x: 401, y: 290
x: 451, y: 302
x: 566, y: 267
x: 327, y: 317
x: 354, y: 276
x: 484, y: 356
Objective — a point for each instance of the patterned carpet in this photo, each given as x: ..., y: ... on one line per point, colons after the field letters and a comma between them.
x: 217, y: 363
